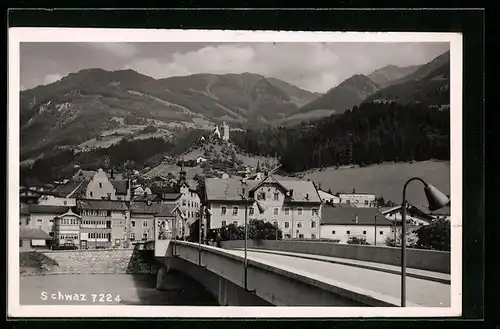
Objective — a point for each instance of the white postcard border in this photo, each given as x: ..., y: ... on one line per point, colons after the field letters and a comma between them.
x: 17, y: 35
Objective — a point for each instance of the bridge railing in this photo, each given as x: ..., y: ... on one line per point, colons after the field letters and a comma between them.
x: 274, y: 283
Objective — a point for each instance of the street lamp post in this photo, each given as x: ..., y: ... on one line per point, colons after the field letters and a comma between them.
x: 261, y: 209
x: 437, y: 200
x: 375, y: 243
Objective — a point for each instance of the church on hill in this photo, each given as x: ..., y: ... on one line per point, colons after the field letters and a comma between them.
x: 224, y: 135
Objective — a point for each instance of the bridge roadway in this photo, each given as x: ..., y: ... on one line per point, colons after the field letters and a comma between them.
x: 423, y: 288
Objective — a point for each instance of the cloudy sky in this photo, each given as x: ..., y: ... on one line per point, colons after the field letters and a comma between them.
x: 312, y: 66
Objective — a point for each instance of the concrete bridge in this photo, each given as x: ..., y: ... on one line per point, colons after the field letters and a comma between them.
x: 291, y: 278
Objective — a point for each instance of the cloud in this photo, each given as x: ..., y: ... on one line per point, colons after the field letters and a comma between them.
x: 119, y: 49
x: 310, y: 66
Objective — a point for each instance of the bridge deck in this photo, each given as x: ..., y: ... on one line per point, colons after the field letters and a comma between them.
x: 381, y: 283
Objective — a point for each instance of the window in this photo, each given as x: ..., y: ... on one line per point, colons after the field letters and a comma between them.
x: 108, y: 213
x: 381, y: 232
x: 132, y: 223
x: 299, y: 211
x: 235, y: 222
x: 287, y: 224
x: 183, y: 202
x: 117, y: 242
x: 301, y: 236
x: 313, y: 224
x: 276, y: 196
x: 100, y: 185
x: 276, y: 211
x: 189, y: 203
x: 39, y: 222
x: 366, y: 202
x: 223, y: 223
x: 287, y: 236
x: 364, y: 232
x: 299, y: 224
x: 333, y: 232
x: 235, y: 210
x: 314, y: 212
x: 250, y: 211
x: 132, y: 236
x: 51, y: 221
x: 65, y: 202
x: 144, y: 223
x: 287, y: 211
x: 261, y: 196
x: 313, y: 236
x: 223, y: 210
x: 348, y: 232
x: 20, y: 243
x: 144, y: 236
x: 91, y: 194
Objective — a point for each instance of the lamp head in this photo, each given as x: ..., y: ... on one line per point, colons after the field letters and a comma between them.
x: 260, y: 207
x: 208, y: 212
x: 436, y: 198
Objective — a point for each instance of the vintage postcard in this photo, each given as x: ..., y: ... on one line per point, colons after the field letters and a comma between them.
x: 193, y: 173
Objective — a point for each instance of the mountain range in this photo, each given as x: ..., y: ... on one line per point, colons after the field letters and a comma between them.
x: 95, y: 104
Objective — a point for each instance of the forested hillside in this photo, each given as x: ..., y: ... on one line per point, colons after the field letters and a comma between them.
x: 370, y: 133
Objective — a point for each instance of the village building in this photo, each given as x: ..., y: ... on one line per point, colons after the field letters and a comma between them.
x: 31, y: 239
x: 104, y: 223
x: 343, y: 223
x: 44, y: 217
x: 360, y: 200
x: 327, y: 197
x: 293, y: 205
x: 67, y: 229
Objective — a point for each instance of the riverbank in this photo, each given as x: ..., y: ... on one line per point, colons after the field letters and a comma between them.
x: 116, y: 261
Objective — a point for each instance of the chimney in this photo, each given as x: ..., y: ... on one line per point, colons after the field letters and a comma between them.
x: 307, y: 196
x: 291, y: 193
x: 353, y: 191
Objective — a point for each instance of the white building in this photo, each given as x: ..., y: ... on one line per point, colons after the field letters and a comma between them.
x: 343, y: 223
x: 360, y: 200
x: 225, y: 131
x: 328, y: 197
x: 293, y: 205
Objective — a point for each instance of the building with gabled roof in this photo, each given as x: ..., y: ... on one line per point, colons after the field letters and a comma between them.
x: 343, y: 223
x: 33, y: 239
x: 293, y: 205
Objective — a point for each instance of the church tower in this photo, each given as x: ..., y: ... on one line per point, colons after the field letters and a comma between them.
x: 225, y: 131
x: 217, y: 132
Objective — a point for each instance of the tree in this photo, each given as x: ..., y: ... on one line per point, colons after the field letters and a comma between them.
x: 435, y: 236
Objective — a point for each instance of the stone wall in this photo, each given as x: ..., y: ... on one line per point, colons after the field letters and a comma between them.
x: 430, y: 260
x: 130, y: 261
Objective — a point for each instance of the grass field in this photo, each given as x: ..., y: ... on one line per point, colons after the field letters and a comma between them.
x: 386, y: 180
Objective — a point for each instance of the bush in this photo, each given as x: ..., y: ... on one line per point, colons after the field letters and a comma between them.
x: 356, y: 240
x: 435, y: 236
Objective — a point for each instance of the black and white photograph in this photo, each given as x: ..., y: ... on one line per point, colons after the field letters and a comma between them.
x: 221, y: 173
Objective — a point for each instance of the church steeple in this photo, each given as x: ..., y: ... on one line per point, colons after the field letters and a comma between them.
x: 182, y: 173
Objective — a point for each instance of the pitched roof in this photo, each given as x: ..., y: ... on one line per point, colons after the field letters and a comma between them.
x: 85, y: 174
x: 347, y: 216
x: 33, y: 234
x: 45, y: 209
x: 303, y: 191
x: 167, y: 209
x: 68, y: 188
x: 149, y: 197
x: 226, y: 189
x: 231, y: 189
x: 101, y: 205
x: 24, y: 210
x: 142, y: 207
x: 121, y: 186
x: 171, y: 196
